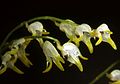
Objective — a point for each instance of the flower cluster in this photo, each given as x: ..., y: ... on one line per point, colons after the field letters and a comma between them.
x: 69, y: 50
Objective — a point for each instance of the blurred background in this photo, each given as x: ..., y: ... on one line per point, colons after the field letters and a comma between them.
x: 14, y: 12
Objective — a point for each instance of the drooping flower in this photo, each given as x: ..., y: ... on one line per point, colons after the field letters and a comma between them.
x: 114, y: 76
x: 103, y: 33
x: 17, y: 51
x: 68, y: 26
x: 8, y: 61
x: 52, y: 55
x: 72, y: 53
x: 20, y: 46
x: 36, y: 28
x: 84, y: 33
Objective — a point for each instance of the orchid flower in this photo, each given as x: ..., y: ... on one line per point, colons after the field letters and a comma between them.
x: 8, y: 61
x: 114, y: 76
x: 36, y: 28
x: 72, y: 52
x: 84, y: 33
x: 68, y: 26
x: 17, y: 52
x: 103, y: 33
x: 52, y: 55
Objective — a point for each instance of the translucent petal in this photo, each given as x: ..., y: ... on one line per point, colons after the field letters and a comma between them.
x: 103, y: 27
x: 86, y: 40
x: 68, y: 27
x: 80, y: 29
x: 35, y: 28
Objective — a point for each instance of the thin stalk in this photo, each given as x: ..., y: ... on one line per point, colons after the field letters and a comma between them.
x: 104, y: 72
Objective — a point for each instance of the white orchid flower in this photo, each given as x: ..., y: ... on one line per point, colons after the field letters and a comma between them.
x: 68, y: 26
x: 103, y: 33
x: 36, y: 28
x: 114, y: 76
x: 19, y: 46
x: 8, y: 61
x: 72, y: 52
x: 84, y: 33
x: 52, y: 55
x: 17, y: 52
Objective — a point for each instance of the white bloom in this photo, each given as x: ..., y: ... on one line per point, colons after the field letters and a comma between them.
x: 52, y: 55
x: 35, y: 28
x: 68, y: 27
x: 72, y: 52
x: 103, y: 33
x: 114, y: 76
x: 84, y: 32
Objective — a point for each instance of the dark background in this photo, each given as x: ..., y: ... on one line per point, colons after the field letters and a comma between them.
x: 93, y: 13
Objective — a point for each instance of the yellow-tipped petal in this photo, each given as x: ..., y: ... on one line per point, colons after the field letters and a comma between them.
x: 111, y: 42
x: 78, y: 63
x: 86, y: 40
x: 52, y: 54
x: 14, y: 68
x: 23, y: 58
x: 84, y: 58
x: 48, y: 67
x: 99, y: 41
x: 3, y: 69
x: 60, y: 59
x: 59, y: 65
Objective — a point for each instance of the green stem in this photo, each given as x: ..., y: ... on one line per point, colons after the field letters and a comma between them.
x: 28, y: 21
x: 104, y: 72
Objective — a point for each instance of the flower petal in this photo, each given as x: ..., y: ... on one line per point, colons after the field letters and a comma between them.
x: 68, y: 27
x: 111, y: 42
x: 72, y: 52
x: 86, y: 40
x: 35, y: 28
x: 22, y: 56
x: 3, y: 69
x: 48, y: 65
x: 10, y: 64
